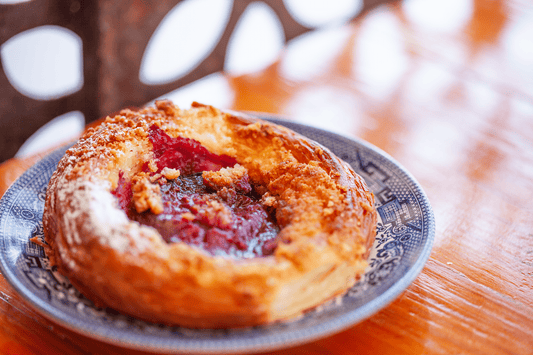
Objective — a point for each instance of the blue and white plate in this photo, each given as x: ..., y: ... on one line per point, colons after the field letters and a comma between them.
x: 403, y: 243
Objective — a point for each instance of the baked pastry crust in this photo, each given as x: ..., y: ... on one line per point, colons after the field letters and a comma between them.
x: 325, y: 212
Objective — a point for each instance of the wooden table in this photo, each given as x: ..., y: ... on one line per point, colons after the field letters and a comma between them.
x: 447, y: 90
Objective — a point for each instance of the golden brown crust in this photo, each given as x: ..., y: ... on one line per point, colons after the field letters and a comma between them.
x: 324, y: 210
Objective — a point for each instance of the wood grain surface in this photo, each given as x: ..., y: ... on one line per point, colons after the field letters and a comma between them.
x: 447, y: 90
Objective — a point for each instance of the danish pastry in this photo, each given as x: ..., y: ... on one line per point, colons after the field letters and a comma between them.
x: 206, y: 219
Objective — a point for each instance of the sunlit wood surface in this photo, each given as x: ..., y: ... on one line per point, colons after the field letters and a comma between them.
x: 448, y: 92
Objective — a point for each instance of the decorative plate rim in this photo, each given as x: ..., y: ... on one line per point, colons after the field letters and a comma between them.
x: 261, y: 343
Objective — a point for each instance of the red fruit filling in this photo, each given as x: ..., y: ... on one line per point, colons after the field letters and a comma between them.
x: 185, y: 154
x: 221, y: 220
x: 226, y: 221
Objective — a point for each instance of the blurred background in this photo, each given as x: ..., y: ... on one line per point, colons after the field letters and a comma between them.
x: 346, y: 65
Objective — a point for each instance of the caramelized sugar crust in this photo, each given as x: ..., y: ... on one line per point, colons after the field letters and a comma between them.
x: 324, y: 210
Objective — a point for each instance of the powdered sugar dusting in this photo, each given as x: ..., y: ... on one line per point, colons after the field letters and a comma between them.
x: 107, y: 219
x: 101, y: 216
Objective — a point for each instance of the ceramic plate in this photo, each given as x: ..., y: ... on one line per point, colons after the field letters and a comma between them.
x: 404, y: 238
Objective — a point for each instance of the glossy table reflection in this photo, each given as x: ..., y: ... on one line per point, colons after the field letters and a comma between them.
x: 446, y: 88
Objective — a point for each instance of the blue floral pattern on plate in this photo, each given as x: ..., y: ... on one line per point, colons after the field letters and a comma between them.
x: 404, y: 239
